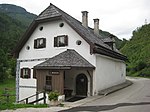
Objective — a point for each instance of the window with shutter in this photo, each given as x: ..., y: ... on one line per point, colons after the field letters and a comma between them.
x: 61, y: 41
x: 40, y: 43
x: 25, y: 73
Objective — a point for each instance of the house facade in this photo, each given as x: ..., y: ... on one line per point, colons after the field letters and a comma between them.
x: 57, y: 52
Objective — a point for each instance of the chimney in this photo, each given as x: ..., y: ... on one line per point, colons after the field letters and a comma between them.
x: 96, y: 26
x: 85, y: 19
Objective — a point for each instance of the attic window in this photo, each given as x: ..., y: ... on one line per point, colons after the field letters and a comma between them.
x: 28, y: 47
x: 61, y: 41
x: 40, y: 43
x: 78, y: 42
x: 41, y: 28
x: 61, y: 24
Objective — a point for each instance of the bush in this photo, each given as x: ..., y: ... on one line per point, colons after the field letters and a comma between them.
x: 140, y: 66
x: 145, y: 72
x: 53, y: 95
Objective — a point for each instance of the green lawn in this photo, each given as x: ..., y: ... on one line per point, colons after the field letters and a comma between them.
x: 10, y: 84
x: 16, y: 106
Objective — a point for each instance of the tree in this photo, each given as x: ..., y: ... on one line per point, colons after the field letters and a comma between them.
x: 3, y: 65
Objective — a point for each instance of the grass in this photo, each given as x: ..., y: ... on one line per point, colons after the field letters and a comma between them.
x: 10, y: 83
x: 16, y: 106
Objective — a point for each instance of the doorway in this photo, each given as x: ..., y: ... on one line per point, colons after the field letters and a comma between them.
x: 81, y: 85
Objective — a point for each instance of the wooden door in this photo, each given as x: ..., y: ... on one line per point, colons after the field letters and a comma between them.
x: 81, y: 85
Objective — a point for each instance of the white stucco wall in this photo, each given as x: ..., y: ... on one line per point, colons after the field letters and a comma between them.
x: 50, y: 30
x: 108, y: 72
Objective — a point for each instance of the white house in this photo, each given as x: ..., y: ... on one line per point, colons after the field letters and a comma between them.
x: 57, y: 52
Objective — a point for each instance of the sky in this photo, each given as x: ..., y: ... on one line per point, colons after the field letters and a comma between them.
x: 119, y: 17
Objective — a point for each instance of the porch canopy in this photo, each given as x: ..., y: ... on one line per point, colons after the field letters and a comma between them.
x: 65, y: 60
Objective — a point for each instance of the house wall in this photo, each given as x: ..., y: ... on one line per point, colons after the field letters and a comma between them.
x: 30, y: 58
x: 109, y: 72
x: 27, y: 87
x: 51, y: 30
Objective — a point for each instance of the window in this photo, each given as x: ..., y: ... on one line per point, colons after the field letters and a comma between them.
x: 41, y: 28
x: 25, y: 73
x: 61, y: 41
x: 48, y: 80
x: 40, y: 43
x: 78, y: 42
x: 48, y: 86
x: 61, y: 24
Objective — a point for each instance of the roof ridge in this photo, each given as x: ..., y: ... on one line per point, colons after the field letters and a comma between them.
x: 49, y: 12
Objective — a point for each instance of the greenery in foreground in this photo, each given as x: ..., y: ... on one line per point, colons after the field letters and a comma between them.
x: 10, y: 84
x: 16, y: 106
x: 7, y: 87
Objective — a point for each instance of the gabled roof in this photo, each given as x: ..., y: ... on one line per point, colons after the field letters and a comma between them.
x: 54, y: 13
x: 65, y: 60
x: 86, y: 33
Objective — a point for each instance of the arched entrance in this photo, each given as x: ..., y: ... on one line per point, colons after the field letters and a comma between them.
x: 81, y: 85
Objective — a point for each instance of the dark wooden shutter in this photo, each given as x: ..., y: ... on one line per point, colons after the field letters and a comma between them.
x: 21, y: 75
x: 44, y: 42
x: 66, y: 40
x: 35, y: 43
x: 55, y: 41
x: 29, y: 73
x: 34, y: 73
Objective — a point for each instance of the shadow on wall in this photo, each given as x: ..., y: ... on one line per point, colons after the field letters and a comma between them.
x: 103, y: 107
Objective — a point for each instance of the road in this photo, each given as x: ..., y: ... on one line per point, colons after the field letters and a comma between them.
x: 135, y: 98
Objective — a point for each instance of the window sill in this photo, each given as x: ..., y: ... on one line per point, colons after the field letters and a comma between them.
x: 58, y: 48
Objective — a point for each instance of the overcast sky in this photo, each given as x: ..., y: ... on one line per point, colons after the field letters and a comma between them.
x: 119, y: 17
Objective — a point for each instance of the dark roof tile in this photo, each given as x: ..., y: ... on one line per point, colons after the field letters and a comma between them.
x: 68, y: 58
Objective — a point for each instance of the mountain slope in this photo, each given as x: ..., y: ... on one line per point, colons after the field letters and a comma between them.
x: 138, y: 51
x: 17, y: 13
x: 14, y: 21
x: 10, y: 31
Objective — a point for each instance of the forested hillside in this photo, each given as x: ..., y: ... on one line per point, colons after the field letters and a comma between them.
x: 13, y: 22
x: 138, y: 52
x: 17, y: 13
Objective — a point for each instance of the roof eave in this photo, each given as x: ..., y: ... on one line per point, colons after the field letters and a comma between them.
x: 88, y: 41
x: 104, y: 51
x: 61, y: 67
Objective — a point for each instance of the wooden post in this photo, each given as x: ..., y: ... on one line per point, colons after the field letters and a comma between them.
x: 7, y: 96
x: 44, y: 94
x: 37, y: 97
x: 27, y: 101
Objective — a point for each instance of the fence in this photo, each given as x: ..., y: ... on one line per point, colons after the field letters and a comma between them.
x: 7, y: 95
x: 37, y: 98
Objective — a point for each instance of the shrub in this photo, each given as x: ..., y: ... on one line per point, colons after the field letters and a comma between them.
x: 53, y: 95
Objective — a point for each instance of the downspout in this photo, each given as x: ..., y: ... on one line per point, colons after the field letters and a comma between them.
x: 17, y: 80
